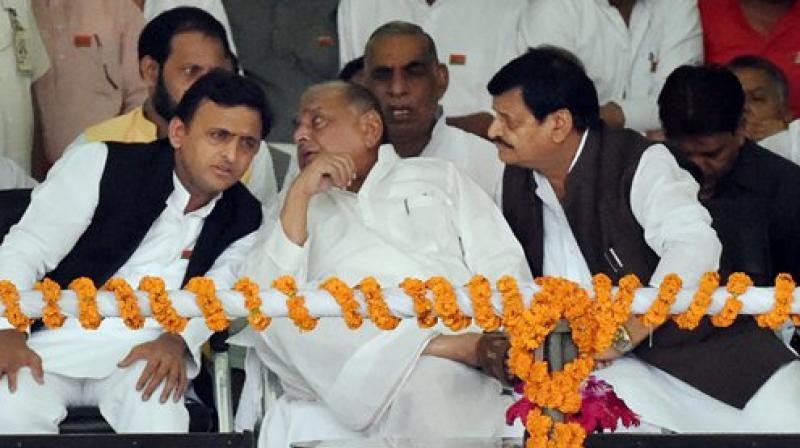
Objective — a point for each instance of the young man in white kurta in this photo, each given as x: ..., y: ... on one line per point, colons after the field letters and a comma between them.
x: 628, y: 62
x: 413, y: 217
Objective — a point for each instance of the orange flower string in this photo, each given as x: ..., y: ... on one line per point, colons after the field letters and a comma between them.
x: 13, y: 312
x: 423, y: 307
x: 659, y: 309
x: 784, y: 297
x: 295, y: 303
x: 163, y: 311
x: 738, y: 283
x: 603, y: 313
x: 690, y: 319
x: 347, y: 302
x: 88, y: 314
x: 480, y: 291
x: 205, y: 293
x: 127, y: 303
x: 252, y: 301
x: 377, y: 309
x: 51, y: 292
x: 621, y: 309
x: 446, y: 305
x: 513, y: 306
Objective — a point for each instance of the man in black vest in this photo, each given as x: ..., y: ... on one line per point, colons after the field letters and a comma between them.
x: 172, y: 208
x: 752, y: 193
x: 584, y: 199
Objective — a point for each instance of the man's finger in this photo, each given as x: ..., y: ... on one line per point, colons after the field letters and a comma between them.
x: 36, y: 369
x: 155, y: 380
x: 172, y: 380
x: 133, y: 355
x: 148, y: 371
x: 183, y: 383
x: 12, y: 380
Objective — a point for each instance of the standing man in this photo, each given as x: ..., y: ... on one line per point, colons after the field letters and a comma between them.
x: 403, y: 71
x: 23, y: 60
x: 95, y: 71
x: 172, y: 208
x: 628, y: 48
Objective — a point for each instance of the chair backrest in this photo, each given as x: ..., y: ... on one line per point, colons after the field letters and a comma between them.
x: 13, y: 204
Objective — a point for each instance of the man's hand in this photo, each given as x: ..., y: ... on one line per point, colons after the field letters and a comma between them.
x: 166, y: 361
x: 612, y: 114
x: 14, y: 355
x: 462, y: 348
x: 325, y: 170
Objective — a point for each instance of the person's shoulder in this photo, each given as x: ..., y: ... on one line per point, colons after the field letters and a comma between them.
x: 244, y: 203
x: 772, y: 164
x: 112, y: 129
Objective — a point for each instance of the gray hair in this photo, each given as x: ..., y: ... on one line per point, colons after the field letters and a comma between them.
x: 400, y: 28
x: 354, y: 94
x: 774, y: 73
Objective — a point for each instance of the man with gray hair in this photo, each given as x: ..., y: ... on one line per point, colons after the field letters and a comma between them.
x: 357, y: 210
x: 403, y: 71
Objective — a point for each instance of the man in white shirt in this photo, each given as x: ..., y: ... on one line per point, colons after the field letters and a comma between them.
x: 172, y: 208
x: 584, y: 198
x: 474, y: 38
x: 628, y: 48
x: 12, y: 176
x: 403, y: 71
x: 355, y: 210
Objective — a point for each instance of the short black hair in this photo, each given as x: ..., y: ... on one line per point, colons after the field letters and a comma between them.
x: 551, y: 78
x: 351, y: 68
x: 155, y: 40
x: 774, y: 73
x: 225, y: 89
x: 699, y: 101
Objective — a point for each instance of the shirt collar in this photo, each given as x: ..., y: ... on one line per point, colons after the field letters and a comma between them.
x: 579, y: 151
x: 180, y: 197
x: 387, y: 158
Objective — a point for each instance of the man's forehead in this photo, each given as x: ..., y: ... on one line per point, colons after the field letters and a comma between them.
x: 321, y: 98
x: 197, y: 45
x: 397, y: 49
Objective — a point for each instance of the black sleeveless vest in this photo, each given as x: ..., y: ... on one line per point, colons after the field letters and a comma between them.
x: 729, y: 365
x: 134, y: 187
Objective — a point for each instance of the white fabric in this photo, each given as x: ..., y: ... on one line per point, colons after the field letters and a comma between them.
x: 474, y: 156
x: 412, y: 217
x: 664, y: 202
x: 152, y: 8
x: 785, y: 143
x: 12, y: 176
x: 663, y: 400
x: 483, y: 31
x: 38, y: 408
x: 61, y: 209
x: 620, y: 59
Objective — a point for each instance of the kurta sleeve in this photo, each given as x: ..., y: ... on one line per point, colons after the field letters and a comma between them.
x: 676, y: 226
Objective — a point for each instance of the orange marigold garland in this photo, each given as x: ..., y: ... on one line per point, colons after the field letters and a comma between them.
x: 784, y: 297
x: 295, y: 303
x: 346, y: 300
x: 51, y: 292
x: 446, y: 305
x: 738, y: 283
x: 127, y: 303
x: 88, y: 313
x: 13, y: 312
x: 205, y: 293
x: 690, y: 319
x: 480, y: 291
x: 626, y: 291
x: 377, y: 308
x: 659, y: 309
x: 513, y: 305
x: 252, y: 301
x: 423, y: 307
x: 603, y: 313
x: 163, y: 311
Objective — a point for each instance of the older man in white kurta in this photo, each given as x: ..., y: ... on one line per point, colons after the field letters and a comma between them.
x: 413, y: 217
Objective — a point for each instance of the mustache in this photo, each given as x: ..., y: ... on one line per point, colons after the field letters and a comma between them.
x: 500, y: 141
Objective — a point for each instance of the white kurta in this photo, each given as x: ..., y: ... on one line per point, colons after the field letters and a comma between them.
x: 12, y: 176
x: 628, y: 65
x: 413, y: 217
x: 786, y: 143
x: 61, y: 210
x: 473, y: 156
x: 475, y: 38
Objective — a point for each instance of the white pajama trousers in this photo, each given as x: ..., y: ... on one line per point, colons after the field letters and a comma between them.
x: 39, y: 408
